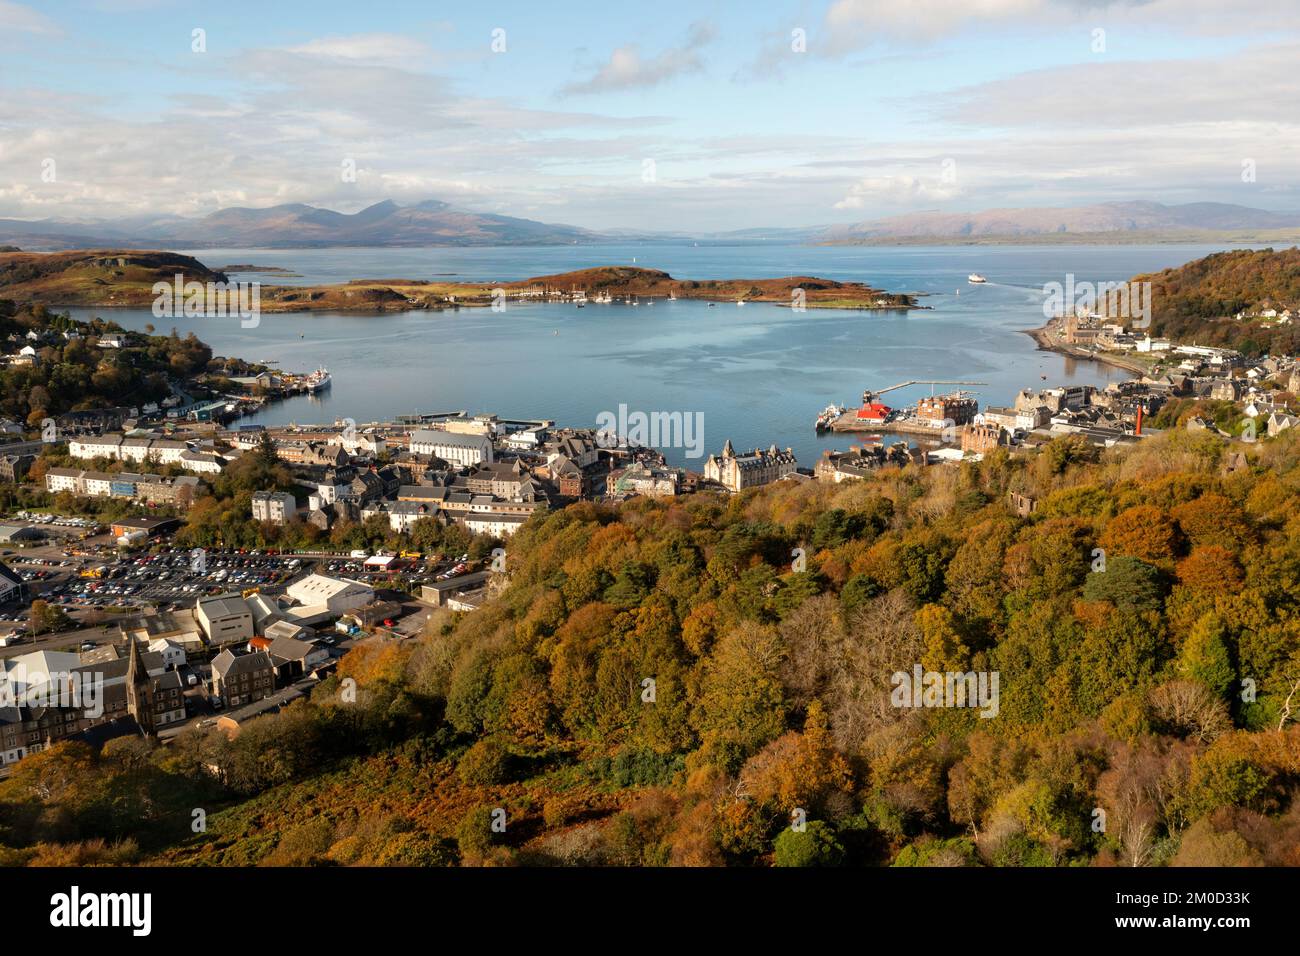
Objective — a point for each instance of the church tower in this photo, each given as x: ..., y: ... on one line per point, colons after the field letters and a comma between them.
x: 139, y: 702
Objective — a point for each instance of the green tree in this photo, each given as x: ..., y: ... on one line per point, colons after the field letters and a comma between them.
x: 815, y: 845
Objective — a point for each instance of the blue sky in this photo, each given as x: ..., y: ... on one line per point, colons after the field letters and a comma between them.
x: 665, y: 115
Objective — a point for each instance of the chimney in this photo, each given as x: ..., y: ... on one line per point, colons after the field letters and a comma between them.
x: 1139, y: 419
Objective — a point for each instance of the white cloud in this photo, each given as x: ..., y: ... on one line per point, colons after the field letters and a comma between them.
x: 896, y: 190
x: 627, y: 69
x: 23, y: 19
x: 857, y: 24
x: 372, y: 47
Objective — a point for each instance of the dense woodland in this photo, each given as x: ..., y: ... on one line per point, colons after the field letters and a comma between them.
x: 1197, y: 302
x: 1155, y: 692
x: 77, y: 374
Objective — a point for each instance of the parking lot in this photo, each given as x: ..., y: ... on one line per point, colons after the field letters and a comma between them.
x: 95, y: 582
x: 172, y: 577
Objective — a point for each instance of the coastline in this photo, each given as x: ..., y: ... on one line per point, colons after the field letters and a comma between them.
x: 1045, y: 337
x: 109, y: 278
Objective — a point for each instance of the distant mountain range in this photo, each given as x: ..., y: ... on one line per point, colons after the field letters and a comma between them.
x: 429, y: 223
x: 1109, y: 219
x: 435, y: 223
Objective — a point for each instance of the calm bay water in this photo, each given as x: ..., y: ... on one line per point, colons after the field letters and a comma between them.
x: 759, y: 373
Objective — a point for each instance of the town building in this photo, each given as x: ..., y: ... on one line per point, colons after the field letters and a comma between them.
x: 642, y: 478
x: 738, y: 472
x: 225, y: 619
x: 276, y: 507
x: 148, y: 489
x: 14, y: 468
x: 319, y: 596
x: 12, y: 586
x: 244, y: 678
x: 955, y: 409
x: 459, y: 449
x: 154, y: 701
x: 979, y: 439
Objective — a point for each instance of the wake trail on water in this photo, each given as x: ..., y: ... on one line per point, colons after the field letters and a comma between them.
x: 1012, y: 285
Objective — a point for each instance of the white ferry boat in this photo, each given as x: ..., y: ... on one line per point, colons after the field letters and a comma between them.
x: 318, y: 380
x: 976, y: 278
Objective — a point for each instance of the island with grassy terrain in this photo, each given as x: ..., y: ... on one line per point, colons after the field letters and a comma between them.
x: 126, y: 278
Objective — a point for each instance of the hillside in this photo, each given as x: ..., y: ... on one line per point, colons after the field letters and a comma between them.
x: 126, y: 278
x: 625, y: 280
x: 1198, y: 301
x: 430, y: 223
x: 117, y: 277
x: 74, y: 373
x: 437, y: 223
x: 654, y: 684
x: 1114, y: 221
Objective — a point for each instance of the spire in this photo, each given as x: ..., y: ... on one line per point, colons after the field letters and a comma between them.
x: 133, y: 667
x: 138, y: 702
x: 728, y: 451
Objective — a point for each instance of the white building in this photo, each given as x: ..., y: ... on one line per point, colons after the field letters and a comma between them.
x: 173, y: 654
x: 225, y: 619
x: 494, y: 523
x: 95, y: 446
x: 319, y: 596
x: 401, y: 515
x: 11, y: 585
x: 201, y: 461
x: 458, y: 449
x: 63, y: 479
x: 1148, y: 344
x: 274, y: 506
x: 162, y: 451
x: 97, y: 484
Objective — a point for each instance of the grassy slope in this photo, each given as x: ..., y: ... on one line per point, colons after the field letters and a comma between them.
x: 125, y: 278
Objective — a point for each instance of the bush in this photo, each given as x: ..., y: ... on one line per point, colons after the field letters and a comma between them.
x: 485, y: 764
x: 474, y: 833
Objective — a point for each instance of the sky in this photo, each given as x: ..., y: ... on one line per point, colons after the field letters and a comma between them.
x: 698, y: 115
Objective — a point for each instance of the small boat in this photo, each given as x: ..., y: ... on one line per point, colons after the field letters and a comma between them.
x: 976, y: 278
x: 740, y: 302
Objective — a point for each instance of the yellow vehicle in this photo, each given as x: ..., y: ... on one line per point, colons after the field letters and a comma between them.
x: 247, y: 591
x: 93, y: 572
x: 417, y: 555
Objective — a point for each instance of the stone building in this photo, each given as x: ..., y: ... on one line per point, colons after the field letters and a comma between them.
x: 758, y: 467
